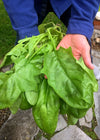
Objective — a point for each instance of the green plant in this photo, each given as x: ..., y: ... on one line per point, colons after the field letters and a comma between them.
x: 68, y: 89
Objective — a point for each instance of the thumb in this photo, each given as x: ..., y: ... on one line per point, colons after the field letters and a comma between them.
x: 87, y: 59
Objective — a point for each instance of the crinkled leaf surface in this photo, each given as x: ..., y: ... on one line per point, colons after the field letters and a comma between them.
x: 46, y: 110
x: 73, y: 114
x: 14, y: 108
x: 31, y: 97
x: 24, y: 78
x: 9, y: 90
x: 70, y: 79
x: 15, y: 52
x: 27, y: 75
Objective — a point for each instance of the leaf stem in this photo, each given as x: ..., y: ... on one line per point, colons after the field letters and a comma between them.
x: 35, y: 45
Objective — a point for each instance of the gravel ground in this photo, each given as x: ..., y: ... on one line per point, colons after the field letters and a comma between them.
x: 4, y: 115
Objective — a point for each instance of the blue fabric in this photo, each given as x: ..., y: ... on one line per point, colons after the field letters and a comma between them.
x: 24, y: 18
x: 82, y: 16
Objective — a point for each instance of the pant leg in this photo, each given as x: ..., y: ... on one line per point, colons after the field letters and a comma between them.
x: 66, y: 16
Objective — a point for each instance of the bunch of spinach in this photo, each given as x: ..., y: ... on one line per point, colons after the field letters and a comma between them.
x: 68, y: 89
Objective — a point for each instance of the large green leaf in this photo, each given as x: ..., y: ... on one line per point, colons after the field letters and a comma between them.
x: 73, y: 114
x: 27, y: 75
x: 46, y: 110
x: 14, y: 53
x: 9, y: 90
x: 23, y: 78
x: 70, y: 80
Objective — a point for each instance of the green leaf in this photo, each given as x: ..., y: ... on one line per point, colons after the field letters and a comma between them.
x: 69, y: 80
x: 72, y: 113
x: 27, y: 76
x: 31, y: 97
x: 72, y: 81
x: 89, y: 72
x: 9, y: 90
x: 15, y: 53
x: 24, y: 103
x: 23, y: 78
x: 46, y: 110
x: 14, y: 108
x: 72, y: 120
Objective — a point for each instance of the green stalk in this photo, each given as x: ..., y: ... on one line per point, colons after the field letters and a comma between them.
x: 24, y: 40
x: 37, y: 51
x: 39, y: 40
x: 50, y: 36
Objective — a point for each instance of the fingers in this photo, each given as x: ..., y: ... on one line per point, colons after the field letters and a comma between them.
x: 45, y: 77
x: 80, y: 47
x: 65, y: 42
x: 87, y: 59
x: 61, y: 44
x: 88, y: 63
x: 77, y: 57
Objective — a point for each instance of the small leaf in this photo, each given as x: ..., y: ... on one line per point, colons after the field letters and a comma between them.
x: 31, y: 97
x: 9, y: 90
x: 24, y: 103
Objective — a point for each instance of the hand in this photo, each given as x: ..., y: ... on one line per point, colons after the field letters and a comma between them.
x: 80, y: 47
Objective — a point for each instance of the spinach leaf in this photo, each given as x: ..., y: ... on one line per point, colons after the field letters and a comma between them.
x: 9, y: 90
x: 15, y: 53
x: 70, y: 80
x: 24, y: 105
x: 14, y: 108
x: 31, y: 97
x: 73, y: 114
x: 23, y: 78
x: 46, y: 110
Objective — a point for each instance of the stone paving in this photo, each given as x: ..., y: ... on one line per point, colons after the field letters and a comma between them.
x: 97, y: 109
